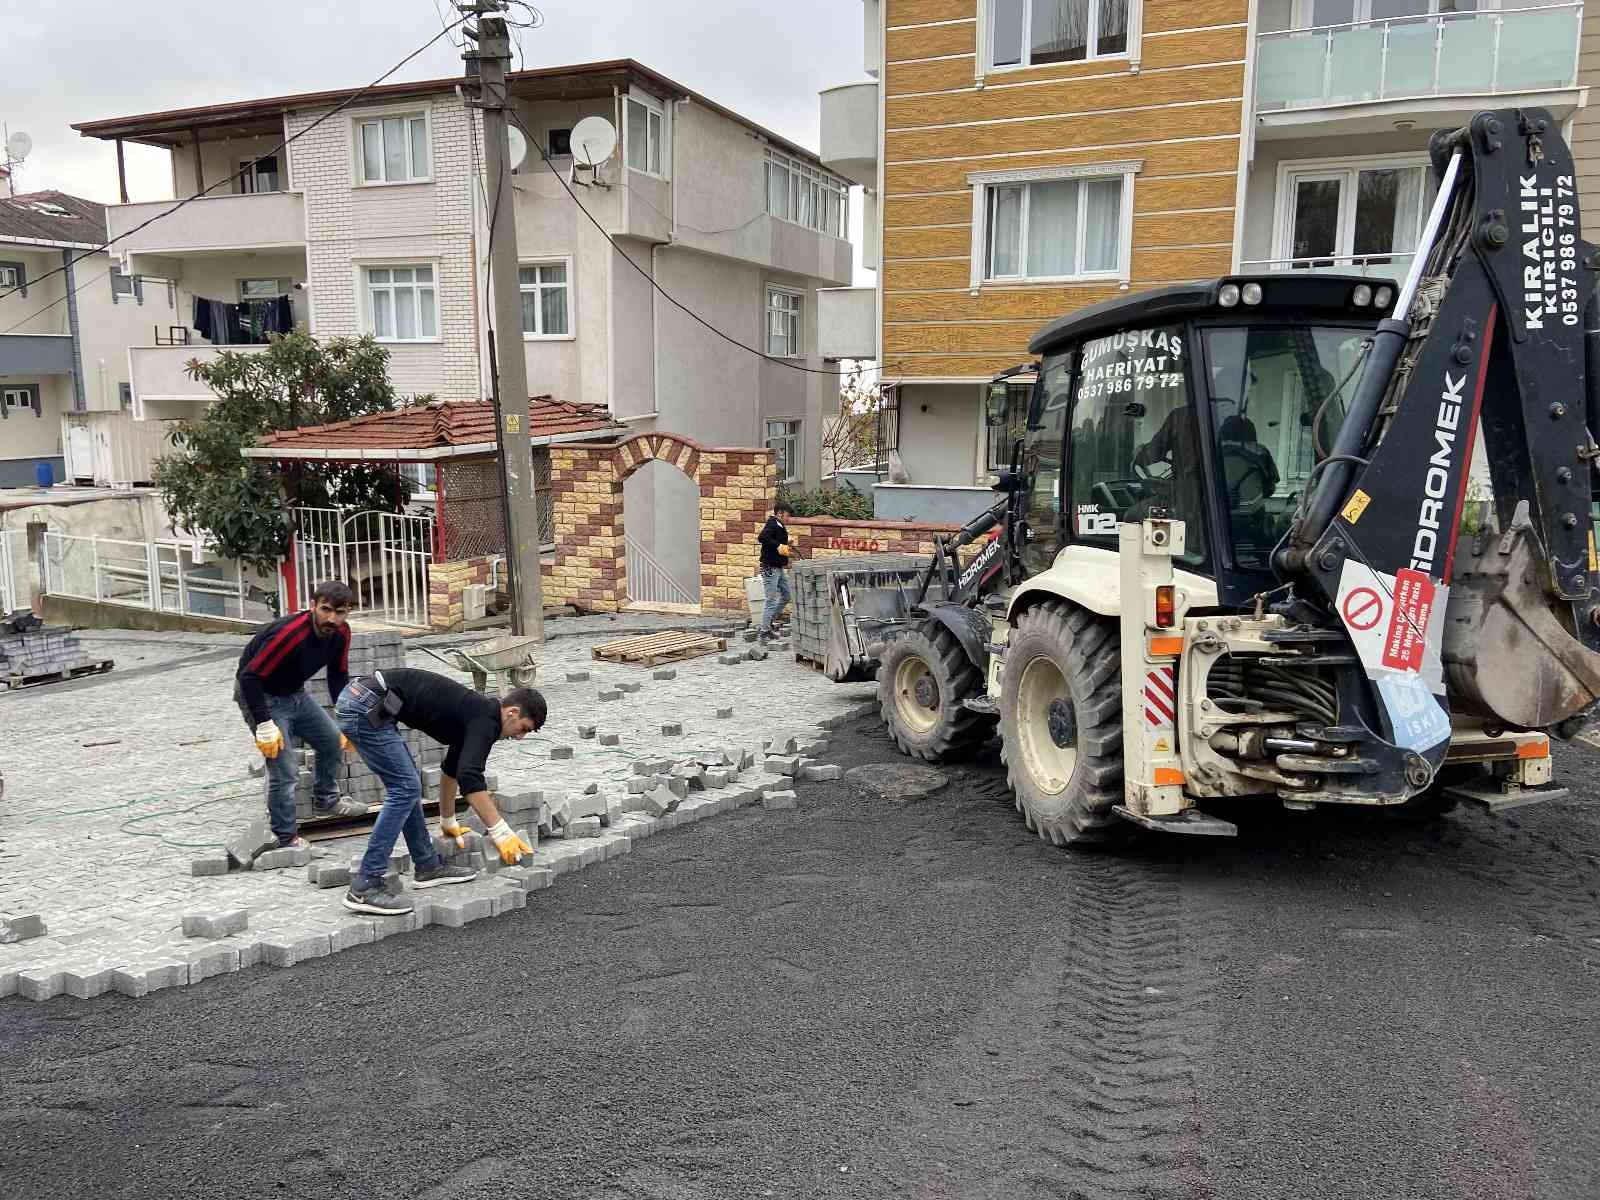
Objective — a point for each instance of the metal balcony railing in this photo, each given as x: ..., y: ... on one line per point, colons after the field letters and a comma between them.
x: 1380, y: 266
x: 1404, y: 58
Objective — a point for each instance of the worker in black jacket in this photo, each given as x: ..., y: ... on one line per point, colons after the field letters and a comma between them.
x: 775, y: 552
x: 468, y: 724
x: 270, y: 690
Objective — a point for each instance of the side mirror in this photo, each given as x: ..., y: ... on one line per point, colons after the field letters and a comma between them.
x: 998, y: 407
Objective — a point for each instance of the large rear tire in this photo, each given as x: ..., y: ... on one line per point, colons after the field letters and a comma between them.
x: 922, y: 678
x: 1061, y: 725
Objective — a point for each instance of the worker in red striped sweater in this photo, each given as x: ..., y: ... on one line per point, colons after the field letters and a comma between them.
x: 270, y: 690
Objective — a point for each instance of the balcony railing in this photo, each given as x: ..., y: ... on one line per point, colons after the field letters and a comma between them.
x: 1404, y: 58
x: 255, y: 220
x: 1370, y: 266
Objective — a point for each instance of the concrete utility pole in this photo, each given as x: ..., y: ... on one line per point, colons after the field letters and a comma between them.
x: 508, y: 368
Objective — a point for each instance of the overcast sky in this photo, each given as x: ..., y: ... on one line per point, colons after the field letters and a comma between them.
x: 763, y: 59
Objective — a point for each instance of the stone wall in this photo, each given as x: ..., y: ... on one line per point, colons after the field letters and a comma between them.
x: 447, y: 585
x: 830, y: 537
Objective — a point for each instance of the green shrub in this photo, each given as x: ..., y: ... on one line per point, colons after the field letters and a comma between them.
x: 830, y: 502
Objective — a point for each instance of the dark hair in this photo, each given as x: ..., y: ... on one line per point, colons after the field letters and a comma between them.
x: 338, y: 595
x: 783, y: 506
x: 530, y: 702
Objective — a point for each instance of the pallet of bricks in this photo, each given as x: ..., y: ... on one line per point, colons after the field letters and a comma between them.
x: 32, y: 652
x: 815, y: 581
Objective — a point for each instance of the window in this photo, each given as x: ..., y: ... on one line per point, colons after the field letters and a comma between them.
x: 424, y: 479
x: 125, y: 285
x: 645, y: 135
x: 783, y: 439
x: 783, y: 323
x: 799, y: 192
x: 546, y: 311
x: 262, y: 289
x: 15, y: 398
x: 125, y: 395
x: 257, y: 175
x: 560, y: 143
x: 1056, y: 228
x: 1353, y: 216
x: 400, y: 303
x: 1031, y: 33
x: 394, y: 149
x: 1002, y: 438
x: 14, y: 275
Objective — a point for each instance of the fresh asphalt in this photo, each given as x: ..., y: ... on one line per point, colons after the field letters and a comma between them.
x: 871, y: 996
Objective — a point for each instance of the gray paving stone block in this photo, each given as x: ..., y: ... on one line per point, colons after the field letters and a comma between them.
x: 210, y: 864
x: 664, y: 673
x: 254, y: 839
x: 724, y: 713
x: 773, y: 798
x: 519, y: 802
x: 350, y: 933
x: 716, y: 779
x: 671, y: 729
x: 610, y: 737
x: 577, y: 676
x: 817, y: 772
x: 286, y: 949
x: 636, y: 785
x: 278, y: 860
x: 456, y: 911
x: 613, y: 813
x: 756, y: 653
x: 86, y: 984
x: 40, y: 983
x: 784, y: 744
x: 143, y: 978
x: 677, y: 785
x: 586, y: 731
x: 208, y: 961
x: 212, y: 925
x: 611, y: 694
x: 324, y: 874
x: 400, y: 860
x: 659, y: 802
x: 781, y: 764
x: 20, y: 927
x: 584, y: 827
x: 629, y: 687
x: 729, y: 660
x: 559, y: 753
x: 590, y: 789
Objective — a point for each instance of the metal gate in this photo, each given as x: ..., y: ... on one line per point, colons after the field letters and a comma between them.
x: 13, y: 570
x: 383, y: 556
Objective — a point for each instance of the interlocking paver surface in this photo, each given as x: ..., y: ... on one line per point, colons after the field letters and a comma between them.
x: 114, y: 788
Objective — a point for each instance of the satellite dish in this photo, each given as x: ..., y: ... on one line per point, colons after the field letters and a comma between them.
x: 594, y: 141
x: 519, y: 147
x: 19, y: 145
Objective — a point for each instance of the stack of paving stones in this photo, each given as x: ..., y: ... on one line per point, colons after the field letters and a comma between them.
x: 814, y: 586
x: 44, y: 650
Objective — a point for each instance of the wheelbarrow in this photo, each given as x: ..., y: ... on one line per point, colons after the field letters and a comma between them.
x: 509, y: 656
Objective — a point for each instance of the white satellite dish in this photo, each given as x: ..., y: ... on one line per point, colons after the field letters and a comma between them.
x: 594, y: 141
x: 18, y: 146
x: 519, y: 147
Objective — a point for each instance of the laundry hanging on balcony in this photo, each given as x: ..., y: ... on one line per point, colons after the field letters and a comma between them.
x: 245, y: 324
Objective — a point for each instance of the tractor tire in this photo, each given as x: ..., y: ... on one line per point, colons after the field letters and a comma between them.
x: 923, y: 676
x: 1061, y: 725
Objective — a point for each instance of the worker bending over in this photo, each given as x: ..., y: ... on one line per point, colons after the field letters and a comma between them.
x: 270, y: 690
x: 468, y: 724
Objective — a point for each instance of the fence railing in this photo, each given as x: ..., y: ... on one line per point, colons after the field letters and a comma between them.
x: 1490, y: 51
x: 383, y: 556
x: 1381, y: 266
x: 161, y: 576
x: 649, y: 581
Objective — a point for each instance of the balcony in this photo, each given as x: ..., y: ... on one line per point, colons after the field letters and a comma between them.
x: 256, y: 221
x: 35, y: 354
x: 162, y: 389
x: 1388, y: 267
x: 850, y: 132
x: 847, y: 322
x: 1363, y: 76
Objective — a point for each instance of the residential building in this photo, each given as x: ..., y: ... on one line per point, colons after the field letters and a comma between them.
x: 67, y: 318
x: 1035, y: 156
x: 374, y: 221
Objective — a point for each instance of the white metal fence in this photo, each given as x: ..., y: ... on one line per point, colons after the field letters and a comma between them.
x: 13, y: 570
x: 649, y: 581
x: 163, y: 576
x: 383, y: 556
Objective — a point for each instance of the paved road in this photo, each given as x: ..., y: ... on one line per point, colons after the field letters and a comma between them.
x: 871, y: 998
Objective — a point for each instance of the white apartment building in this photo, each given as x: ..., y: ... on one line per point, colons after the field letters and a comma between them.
x: 67, y: 318
x: 374, y: 221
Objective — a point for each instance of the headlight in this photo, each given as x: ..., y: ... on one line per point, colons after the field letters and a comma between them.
x: 1383, y: 296
x: 1362, y: 296
x: 1228, y: 296
x: 1250, y: 293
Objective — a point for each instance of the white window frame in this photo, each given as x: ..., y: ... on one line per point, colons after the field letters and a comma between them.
x: 555, y: 260
x: 794, y: 426
x: 981, y: 183
x: 376, y: 116
x: 818, y: 184
x: 654, y: 107
x: 987, y: 10
x: 18, y: 398
x: 1347, y: 170
x: 797, y: 314
x: 251, y: 168
x: 421, y: 492
x: 364, y: 291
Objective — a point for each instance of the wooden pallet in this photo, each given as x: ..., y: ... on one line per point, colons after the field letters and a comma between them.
x: 97, y: 666
x: 646, y: 650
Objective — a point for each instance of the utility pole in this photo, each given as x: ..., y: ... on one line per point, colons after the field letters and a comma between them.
x: 507, y: 368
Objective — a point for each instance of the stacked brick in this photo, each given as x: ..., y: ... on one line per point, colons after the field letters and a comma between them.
x: 586, y: 493
x: 41, y: 651
x: 737, y: 491
x: 447, y: 586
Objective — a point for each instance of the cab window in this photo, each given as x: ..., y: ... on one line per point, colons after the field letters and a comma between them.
x: 1135, y: 442
x: 1042, y: 460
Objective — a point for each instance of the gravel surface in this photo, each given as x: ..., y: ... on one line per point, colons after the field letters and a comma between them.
x: 870, y: 996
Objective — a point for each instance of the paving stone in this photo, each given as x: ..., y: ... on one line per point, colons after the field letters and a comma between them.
x: 286, y: 949
x: 215, y: 924
x: 678, y: 785
x: 208, y: 961
x: 278, y: 860
x: 822, y: 771
x: 784, y: 744
x: 400, y: 861
x: 629, y: 687
x: 664, y: 673
x: 584, y: 827
x: 611, y: 694
x: 774, y: 798
x: 210, y: 864
x: 577, y: 676
x: 355, y: 932
x: 332, y: 875
x: 716, y: 779
x: 586, y: 731
x: 609, y: 737
x: 659, y: 802
x: 456, y: 911
x: 781, y: 764
x: 143, y: 978
x: 756, y: 653
x: 519, y: 802
x: 560, y: 753
x: 20, y: 927
x: 729, y: 660
x: 86, y: 984
x: 254, y: 839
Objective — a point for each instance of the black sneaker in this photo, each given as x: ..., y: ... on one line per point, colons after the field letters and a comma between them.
x: 442, y: 874
x: 377, y: 902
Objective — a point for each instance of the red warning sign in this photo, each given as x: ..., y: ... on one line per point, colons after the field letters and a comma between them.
x: 1362, y: 608
x: 1407, y: 637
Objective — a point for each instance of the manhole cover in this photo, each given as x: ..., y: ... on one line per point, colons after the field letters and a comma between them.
x: 898, y: 781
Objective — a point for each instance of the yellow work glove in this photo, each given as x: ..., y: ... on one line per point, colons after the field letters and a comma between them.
x: 344, y: 744
x: 269, y: 739
x: 784, y: 550
x: 511, y: 847
x: 454, y: 830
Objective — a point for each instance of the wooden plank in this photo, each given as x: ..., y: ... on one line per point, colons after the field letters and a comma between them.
x: 94, y: 667
x: 649, y: 649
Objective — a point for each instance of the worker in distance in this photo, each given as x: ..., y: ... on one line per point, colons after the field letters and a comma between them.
x: 468, y: 724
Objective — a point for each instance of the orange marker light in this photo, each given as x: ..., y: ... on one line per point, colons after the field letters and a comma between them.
x: 1166, y: 606
x: 1540, y: 749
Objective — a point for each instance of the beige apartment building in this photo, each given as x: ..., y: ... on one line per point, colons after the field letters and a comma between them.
x: 1024, y: 158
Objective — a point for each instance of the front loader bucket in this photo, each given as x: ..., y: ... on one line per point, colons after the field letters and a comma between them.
x: 1506, y: 653
x: 859, y: 620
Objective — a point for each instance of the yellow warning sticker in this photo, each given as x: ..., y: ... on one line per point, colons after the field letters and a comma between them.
x: 1162, y: 747
x: 1592, y: 560
x: 1355, y: 506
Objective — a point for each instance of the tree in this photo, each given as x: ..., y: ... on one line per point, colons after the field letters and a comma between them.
x: 240, y: 505
x: 851, y: 438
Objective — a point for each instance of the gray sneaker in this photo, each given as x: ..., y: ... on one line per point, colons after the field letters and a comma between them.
x: 441, y: 875
x: 344, y: 806
x: 377, y: 902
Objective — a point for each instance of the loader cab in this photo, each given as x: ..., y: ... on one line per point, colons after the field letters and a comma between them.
x: 1212, y: 401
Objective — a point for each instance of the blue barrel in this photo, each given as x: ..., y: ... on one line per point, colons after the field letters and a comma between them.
x: 43, y: 475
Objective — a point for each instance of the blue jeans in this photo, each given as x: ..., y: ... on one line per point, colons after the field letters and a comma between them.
x: 385, y: 751
x: 775, y: 583
x: 299, y: 719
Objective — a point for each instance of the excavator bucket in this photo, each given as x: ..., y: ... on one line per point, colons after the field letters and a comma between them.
x: 859, y: 621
